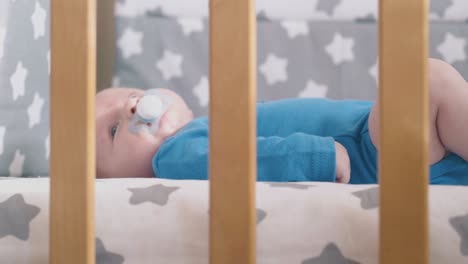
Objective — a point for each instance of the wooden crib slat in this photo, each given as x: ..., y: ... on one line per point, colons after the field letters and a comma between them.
x: 232, y: 131
x: 72, y: 164
x: 404, y: 131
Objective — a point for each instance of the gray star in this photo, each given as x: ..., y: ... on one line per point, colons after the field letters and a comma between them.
x: 260, y: 215
x: 157, y: 194
x: 105, y: 257
x: 15, y: 217
x: 367, y: 19
x: 331, y: 254
x: 327, y: 5
x: 369, y: 197
x: 262, y: 16
x: 460, y: 224
x: 291, y: 185
x: 158, y: 12
x: 440, y: 6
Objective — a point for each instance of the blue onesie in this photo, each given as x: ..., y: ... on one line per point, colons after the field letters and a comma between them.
x: 295, y: 142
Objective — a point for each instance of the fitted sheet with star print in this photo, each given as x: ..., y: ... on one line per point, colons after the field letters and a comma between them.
x: 166, y: 221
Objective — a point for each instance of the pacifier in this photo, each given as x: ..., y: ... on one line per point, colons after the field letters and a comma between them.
x: 149, y: 110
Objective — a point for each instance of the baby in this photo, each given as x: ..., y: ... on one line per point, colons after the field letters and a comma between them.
x: 297, y: 139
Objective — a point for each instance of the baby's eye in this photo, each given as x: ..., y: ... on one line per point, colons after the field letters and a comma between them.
x: 113, y: 131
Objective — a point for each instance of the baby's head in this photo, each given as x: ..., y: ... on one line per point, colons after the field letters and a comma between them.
x: 122, y: 153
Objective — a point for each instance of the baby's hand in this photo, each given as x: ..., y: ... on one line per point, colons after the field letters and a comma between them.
x: 343, y: 167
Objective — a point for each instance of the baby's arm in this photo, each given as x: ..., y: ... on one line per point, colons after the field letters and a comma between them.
x: 301, y: 157
x: 298, y: 157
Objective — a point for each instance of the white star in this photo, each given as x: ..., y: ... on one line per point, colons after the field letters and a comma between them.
x: 47, y: 146
x: 457, y: 11
x: 453, y: 48
x: 314, y: 89
x: 130, y: 43
x: 2, y: 40
x: 374, y: 72
x: 34, y: 110
x: 201, y: 90
x: 38, y: 20
x: 2, y: 136
x: 274, y: 69
x: 190, y: 25
x: 18, y: 79
x: 340, y: 49
x: 16, y: 166
x: 170, y: 65
x: 48, y: 60
x: 295, y: 28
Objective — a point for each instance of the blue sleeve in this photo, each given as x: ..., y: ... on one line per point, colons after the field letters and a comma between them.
x: 297, y: 157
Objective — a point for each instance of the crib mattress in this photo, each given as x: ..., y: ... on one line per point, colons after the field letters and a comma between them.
x: 164, y: 221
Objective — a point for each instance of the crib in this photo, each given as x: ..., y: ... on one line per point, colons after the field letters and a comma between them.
x: 403, y: 66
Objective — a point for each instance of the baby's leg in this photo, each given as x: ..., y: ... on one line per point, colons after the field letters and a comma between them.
x: 448, y: 104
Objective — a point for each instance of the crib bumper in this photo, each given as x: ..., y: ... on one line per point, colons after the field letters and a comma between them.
x: 166, y: 221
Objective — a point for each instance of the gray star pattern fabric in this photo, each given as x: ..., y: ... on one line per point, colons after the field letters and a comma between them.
x: 105, y: 257
x: 438, y: 7
x: 369, y: 198
x: 16, y: 216
x: 24, y: 87
x: 261, y: 214
x: 321, y: 57
x: 460, y: 224
x: 327, y: 5
x: 331, y: 254
x: 290, y: 185
x: 157, y: 194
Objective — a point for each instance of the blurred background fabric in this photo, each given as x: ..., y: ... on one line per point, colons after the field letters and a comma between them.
x: 306, y: 48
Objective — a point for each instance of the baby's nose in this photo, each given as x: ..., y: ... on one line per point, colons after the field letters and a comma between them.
x: 130, y: 106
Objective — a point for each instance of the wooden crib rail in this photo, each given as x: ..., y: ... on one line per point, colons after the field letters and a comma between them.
x: 72, y: 164
x: 232, y: 131
x: 403, y: 160
x: 404, y: 131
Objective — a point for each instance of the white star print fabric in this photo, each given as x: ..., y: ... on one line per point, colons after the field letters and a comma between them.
x: 18, y: 80
x: 344, y: 10
x: 170, y: 65
x: 130, y: 43
x: 453, y: 48
x: 35, y: 110
x: 274, y: 69
x: 38, y: 20
x: 305, y: 48
x: 24, y: 88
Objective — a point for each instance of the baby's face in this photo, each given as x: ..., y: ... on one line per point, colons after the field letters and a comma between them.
x: 121, y: 153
